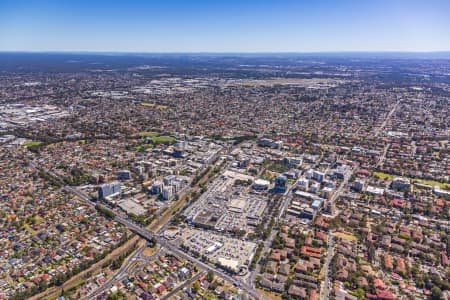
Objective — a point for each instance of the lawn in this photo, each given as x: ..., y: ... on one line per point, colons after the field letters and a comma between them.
x: 163, y: 139
x: 38, y: 219
x: 143, y: 147
x: 346, y: 236
x: 52, y: 146
x: 158, y: 106
x: 433, y: 183
x: 270, y: 296
x: 147, y: 134
x: 276, y: 166
x: 32, y: 144
x: 155, y: 137
x: 149, y: 251
x: 386, y: 176
x: 383, y: 176
x: 29, y: 229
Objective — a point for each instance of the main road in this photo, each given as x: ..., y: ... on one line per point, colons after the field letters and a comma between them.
x: 148, y: 235
x: 287, y: 196
x: 122, y: 273
x: 326, y: 286
x: 183, y: 285
x: 386, y: 119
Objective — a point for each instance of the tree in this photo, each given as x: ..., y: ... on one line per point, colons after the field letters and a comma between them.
x: 371, y: 252
x: 436, y: 293
x: 196, y: 286
x: 114, y: 296
x: 210, y: 276
x: 360, y: 293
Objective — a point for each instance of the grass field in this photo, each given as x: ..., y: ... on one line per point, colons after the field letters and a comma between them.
x: 147, y: 134
x: 163, y: 139
x: 445, y: 186
x: 143, y: 147
x: 29, y: 229
x: 38, y: 219
x: 32, y: 144
x: 158, y: 106
x: 268, y: 295
x: 346, y: 236
x: 386, y: 176
x: 383, y: 176
x: 149, y: 251
x: 155, y: 140
x: 51, y: 146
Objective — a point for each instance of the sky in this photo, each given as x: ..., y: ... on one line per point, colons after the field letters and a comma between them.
x: 225, y: 25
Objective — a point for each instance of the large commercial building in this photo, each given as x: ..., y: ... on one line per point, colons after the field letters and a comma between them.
x: 270, y: 143
x: 401, y: 183
x: 319, y: 176
x: 123, y: 175
x: 108, y: 189
x: 280, y: 184
x: 156, y: 188
x: 167, y: 193
x: 261, y: 185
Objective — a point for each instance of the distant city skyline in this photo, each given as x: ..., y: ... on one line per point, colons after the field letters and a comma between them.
x: 225, y: 26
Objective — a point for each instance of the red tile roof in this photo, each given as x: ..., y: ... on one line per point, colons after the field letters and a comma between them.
x: 384, y: 295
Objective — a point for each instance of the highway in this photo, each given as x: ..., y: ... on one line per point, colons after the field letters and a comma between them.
x: 148, y: 235
x: 246, y: 286
x: 122, y: 273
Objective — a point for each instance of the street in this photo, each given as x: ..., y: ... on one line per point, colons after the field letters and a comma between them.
x: 326, y: 286
x: 149, y: 235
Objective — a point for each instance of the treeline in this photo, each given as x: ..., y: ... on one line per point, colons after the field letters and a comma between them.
x: 198, y: 177
x: 144, y: 219
x: 50, y: 179
x: 77, y: 177
x: 117, y: 263
x: 104, y: 211
x: 236, y: 140
x: 256, y: 256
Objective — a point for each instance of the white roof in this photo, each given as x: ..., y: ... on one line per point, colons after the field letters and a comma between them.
x: 262, y: 182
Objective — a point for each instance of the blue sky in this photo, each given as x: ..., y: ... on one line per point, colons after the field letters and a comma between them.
x: 225, y: 26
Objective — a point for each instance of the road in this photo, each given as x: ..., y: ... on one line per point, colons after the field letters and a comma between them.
x: 343, y: 184
x: 268, y: 242
x: 326, y: 286
x: 182, y: 286
x: 287, y: 197
x: 149, y: 235
x: 388, y: 116
x: 122, y: 273
x: 383, y: 155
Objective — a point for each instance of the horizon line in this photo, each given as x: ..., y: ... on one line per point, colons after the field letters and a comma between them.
x: 230, y: 52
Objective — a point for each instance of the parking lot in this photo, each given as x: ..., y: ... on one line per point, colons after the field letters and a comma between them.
x: 231, y: 248
x: 227, y: 207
